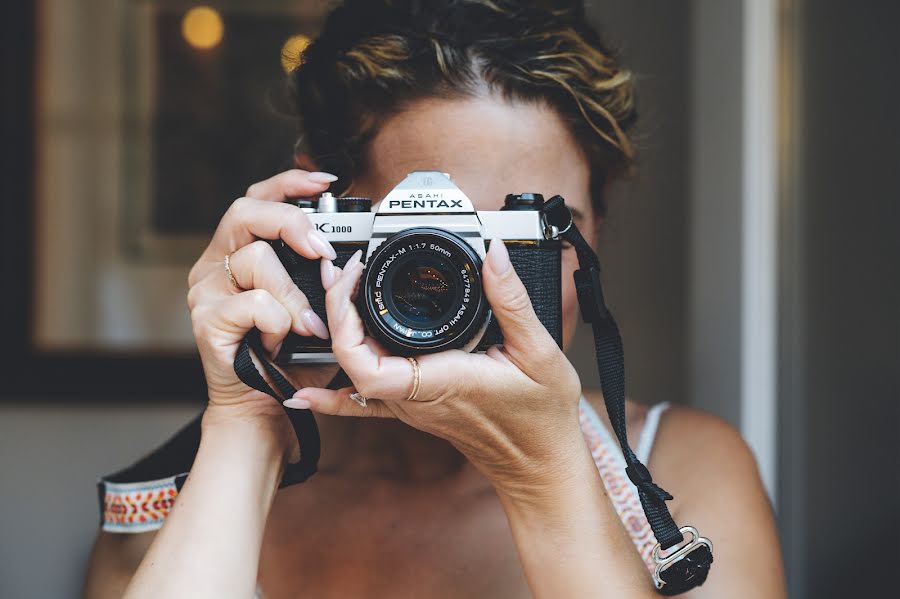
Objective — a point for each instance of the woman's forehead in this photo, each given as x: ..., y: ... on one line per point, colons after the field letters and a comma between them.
x: 490, y: 147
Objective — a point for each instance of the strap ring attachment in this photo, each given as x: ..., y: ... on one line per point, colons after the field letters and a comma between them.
x: 665, y: 562
x: 554, y: 214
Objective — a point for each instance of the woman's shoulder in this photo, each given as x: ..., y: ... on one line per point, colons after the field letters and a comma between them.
x: 706, y: 465
x: 703, y: 461
x: 690, y: 448
x: 682, y: 430
x: 688, y: 435
x: 114, y: 559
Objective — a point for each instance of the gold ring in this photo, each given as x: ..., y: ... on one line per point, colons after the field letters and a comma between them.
x: 417, y: 379
x: 231, y: 274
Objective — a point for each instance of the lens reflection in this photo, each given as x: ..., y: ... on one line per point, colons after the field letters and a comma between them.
x: 423, y: 290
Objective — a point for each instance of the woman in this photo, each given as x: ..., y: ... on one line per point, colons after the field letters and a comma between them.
x: 493, y: 480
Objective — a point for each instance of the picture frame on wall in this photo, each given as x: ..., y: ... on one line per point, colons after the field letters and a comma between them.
x: 148, y: 118
x: 153, y: 122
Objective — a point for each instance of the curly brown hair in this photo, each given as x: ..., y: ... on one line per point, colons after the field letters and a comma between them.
x: 374, y: 57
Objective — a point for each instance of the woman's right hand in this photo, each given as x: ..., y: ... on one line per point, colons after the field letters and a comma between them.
x: 265, y: 296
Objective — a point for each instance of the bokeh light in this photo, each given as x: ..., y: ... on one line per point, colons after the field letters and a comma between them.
x: 202, y: 27
x: 292, y: 50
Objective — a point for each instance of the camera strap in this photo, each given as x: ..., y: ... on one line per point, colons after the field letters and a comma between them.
x: 303, y: 421
x: 686, y: 567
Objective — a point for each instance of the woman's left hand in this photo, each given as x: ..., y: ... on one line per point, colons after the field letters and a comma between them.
x: 513, y: 411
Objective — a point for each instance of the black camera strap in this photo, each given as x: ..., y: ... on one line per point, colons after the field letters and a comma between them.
x: 677, y: 572
x: 303, y: 421
x: 687, y: 567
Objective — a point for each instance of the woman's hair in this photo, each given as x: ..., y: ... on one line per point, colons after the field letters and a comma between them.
x: 374, y: 57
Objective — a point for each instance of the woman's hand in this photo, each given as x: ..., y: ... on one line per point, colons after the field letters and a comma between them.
x: 211, y: 542
x: 512, y: 411
x: 262, y: 294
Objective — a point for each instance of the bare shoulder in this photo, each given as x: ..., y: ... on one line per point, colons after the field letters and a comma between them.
x: 712, y: 474
x: 691, y: 448
x: 114, y: 560
x: 689, y: 444
x: 695, y: 450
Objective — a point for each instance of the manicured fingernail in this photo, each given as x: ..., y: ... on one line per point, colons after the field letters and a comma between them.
x: 320, y: 177
x: 297, y: 404
x: 353, y: 261
x: 321, y: 245
x: 498, y: 257
x: 329, y: 274
x: 277, y: 350
x: 314, y: 323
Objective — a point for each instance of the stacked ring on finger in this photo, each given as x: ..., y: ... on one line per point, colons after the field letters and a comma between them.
x: 361, y: 399
x: 417, y: 379
x: 231, y: 274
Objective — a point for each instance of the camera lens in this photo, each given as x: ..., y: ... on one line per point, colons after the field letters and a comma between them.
x: 422, y: 292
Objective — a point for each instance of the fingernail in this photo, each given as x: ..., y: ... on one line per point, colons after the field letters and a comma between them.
x: 329, y: 274
x: 498, y: 257
x: 321, y: 245
x: 314, y: 323
x: 353, y: 261
x: 277, y: 350
x: 297, y: 404
x: 320, y: 177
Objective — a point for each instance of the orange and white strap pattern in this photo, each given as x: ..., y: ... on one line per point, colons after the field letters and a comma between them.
x: 137, y: 507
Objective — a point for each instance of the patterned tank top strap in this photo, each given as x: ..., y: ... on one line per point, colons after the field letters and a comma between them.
x: 611, y: 465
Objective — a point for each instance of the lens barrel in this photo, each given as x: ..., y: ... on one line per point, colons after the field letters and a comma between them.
x: 422, y: 292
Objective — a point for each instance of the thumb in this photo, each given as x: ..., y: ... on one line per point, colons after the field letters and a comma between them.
x: 523, y: 333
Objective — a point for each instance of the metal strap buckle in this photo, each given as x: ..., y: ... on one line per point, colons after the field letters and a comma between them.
x: 664, y: 562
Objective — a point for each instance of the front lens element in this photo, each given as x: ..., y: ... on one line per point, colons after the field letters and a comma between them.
x: 422, y: 292
x: 423, y: 289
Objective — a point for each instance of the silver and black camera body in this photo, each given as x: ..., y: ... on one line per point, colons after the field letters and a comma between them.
x: 423, y: 247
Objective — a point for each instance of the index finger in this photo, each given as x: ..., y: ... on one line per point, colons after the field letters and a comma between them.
x: 375, y: 373
x: 290, y: 184
x: 248, y: 220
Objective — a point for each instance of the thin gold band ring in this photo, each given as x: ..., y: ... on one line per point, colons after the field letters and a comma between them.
x: 361, y: 399
x: 417, y: 379
x: 231, y: 274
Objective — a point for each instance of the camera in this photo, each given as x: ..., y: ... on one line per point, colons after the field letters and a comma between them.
x: 423, y: 249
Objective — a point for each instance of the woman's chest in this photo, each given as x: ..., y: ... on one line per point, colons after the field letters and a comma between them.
x: 424, y: 547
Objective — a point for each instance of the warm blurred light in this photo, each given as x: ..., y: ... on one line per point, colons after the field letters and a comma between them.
x: 202, y: 27
x: 292, y: 50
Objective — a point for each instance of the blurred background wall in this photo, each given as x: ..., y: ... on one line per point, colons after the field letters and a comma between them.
x: 840, y: 359
x: 672, y: 251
